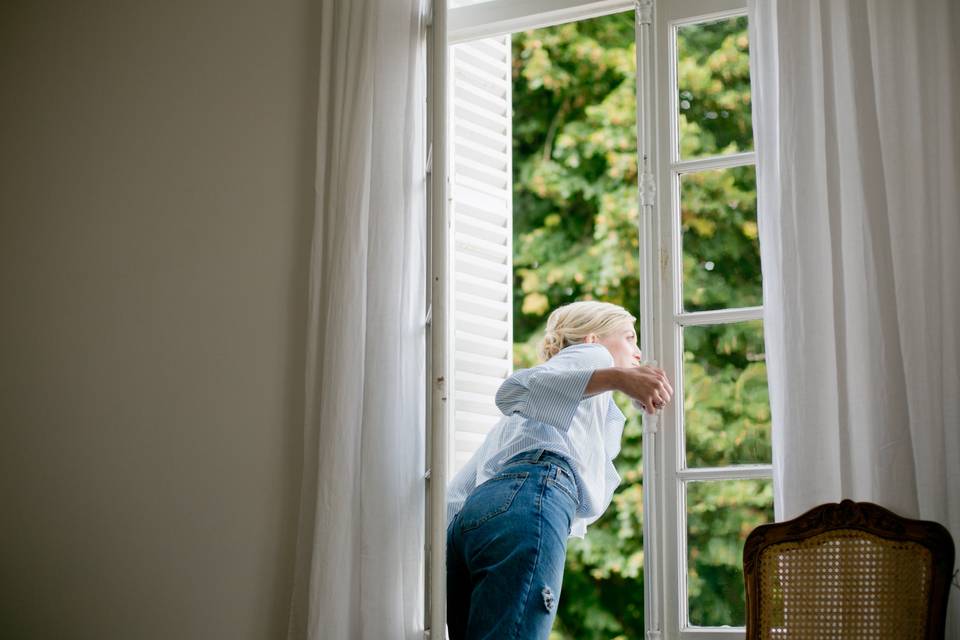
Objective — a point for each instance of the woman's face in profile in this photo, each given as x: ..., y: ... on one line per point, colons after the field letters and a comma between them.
x: 622, y: 345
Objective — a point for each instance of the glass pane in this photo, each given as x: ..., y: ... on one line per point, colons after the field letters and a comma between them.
x: 726, y: 405
x: 721, y: 249
x: 720, y: 515
x: 713, y: 84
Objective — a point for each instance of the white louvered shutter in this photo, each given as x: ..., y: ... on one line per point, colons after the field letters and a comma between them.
x: 481, y: 251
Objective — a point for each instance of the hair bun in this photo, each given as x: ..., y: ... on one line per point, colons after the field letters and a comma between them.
x: 551, y: 345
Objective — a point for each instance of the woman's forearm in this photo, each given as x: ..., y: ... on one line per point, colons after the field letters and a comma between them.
x: 607, y: 379
x: 647, y: 385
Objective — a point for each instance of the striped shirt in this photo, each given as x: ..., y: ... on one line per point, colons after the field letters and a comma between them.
x: 546, y: 407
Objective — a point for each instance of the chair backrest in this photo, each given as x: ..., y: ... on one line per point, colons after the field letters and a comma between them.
x: 847, y: 570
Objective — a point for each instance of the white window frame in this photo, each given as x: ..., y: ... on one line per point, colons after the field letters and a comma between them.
x: 437, y: 325
x: 661, y: 314
x: 673, y: 475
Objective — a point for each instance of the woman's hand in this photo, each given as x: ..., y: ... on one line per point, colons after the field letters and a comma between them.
x: 647, y: 385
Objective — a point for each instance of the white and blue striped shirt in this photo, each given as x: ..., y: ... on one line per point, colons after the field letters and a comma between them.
x: 546, y: 407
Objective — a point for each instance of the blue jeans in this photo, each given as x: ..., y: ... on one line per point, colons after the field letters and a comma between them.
x: 506, y: 550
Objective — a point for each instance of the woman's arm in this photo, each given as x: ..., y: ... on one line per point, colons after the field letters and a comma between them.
x: 551, y: 394
x: 609, y: 379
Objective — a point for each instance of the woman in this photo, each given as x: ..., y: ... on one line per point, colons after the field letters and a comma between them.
x: 543, y: 473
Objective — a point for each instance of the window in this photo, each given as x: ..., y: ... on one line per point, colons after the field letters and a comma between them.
x: 715, y: 477
x: 696, y: 284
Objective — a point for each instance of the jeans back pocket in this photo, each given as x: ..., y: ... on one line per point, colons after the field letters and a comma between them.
x: 491, y: 498
x: 565, y: 482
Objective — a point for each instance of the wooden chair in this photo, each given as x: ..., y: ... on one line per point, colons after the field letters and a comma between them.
x: 847, y: 570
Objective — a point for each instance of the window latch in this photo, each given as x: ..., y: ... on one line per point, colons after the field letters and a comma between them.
x: 648, y: 190
x: 428, y: 15
x: 644, y: 9
x: 650, y: 423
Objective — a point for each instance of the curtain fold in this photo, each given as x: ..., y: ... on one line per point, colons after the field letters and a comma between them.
x: 858, y: 163
x: 359, y: 560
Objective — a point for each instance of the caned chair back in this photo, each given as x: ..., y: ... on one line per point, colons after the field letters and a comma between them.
x: 851, y: 570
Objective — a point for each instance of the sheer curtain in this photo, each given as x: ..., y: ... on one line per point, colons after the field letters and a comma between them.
x: 359, y: 557
x: 858, y: 139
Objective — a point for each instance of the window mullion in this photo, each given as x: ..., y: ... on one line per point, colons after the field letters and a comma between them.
x: 746, y: 158
x: 718, y: 316
x: 735, y: 472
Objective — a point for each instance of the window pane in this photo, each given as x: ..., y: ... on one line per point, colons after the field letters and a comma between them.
x: 713, y: 78
x: 720, y: 515
x: 726, y: 406
x: 721, y: 250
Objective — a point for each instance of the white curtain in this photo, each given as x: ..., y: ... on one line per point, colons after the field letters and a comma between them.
x: 857, y: 116
x: 359, y: 559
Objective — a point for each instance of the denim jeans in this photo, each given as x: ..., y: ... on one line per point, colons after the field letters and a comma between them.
x: 506, y: 550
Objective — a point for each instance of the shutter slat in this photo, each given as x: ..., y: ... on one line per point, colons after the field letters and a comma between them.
x: 481, y: 346
x: 473, y: 189
x: 476, y: 423
x: 491, y: 216
x: 494, y: 160
x: 486, y: 200
x: 493, y: 270
x: 482, y: 287
x: 482, y: 365
x: 477, y: 383
x: 482, y: 326
x: 476, y: 404
x: 483, y: 118
x: 481, y: 228
x: 479, y: 248
x: 477, y: 58
x: 468, y: 74
x: 468, y: 132
x: 489, y: 177
x: 464, y: 92
x: 491, y: 47
x: 481, y: 307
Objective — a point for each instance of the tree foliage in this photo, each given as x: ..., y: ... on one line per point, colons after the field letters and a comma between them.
x: 576, y: 238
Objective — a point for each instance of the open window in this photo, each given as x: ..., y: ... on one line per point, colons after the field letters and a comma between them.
x: 675, y: 233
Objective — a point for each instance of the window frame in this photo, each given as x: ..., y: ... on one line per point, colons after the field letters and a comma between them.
x: 660, y: 259
x: 437, y: 324
x: 674, y: 475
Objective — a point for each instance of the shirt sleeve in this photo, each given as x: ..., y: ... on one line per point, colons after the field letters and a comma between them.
x: 552, y: 391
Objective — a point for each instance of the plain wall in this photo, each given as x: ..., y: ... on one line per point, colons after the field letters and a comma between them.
x: 156, y: 196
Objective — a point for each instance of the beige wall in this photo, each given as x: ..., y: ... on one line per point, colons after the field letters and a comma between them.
x: 156, y: 161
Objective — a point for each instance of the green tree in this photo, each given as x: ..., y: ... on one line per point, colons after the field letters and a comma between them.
x: 575, y: 238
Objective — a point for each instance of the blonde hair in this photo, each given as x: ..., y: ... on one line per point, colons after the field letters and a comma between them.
x: 572, y: 323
